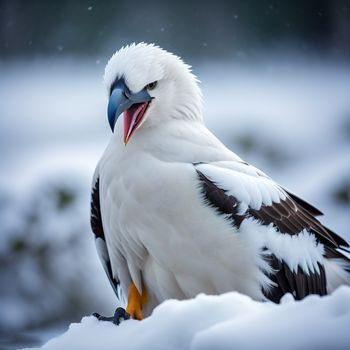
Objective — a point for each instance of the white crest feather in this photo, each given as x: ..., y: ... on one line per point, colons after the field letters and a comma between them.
x: 141, y: 64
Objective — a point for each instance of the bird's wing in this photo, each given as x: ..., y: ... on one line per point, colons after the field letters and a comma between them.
x: 292, y: 240
x: 100, y: 241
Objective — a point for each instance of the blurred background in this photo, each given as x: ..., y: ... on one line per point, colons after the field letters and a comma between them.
x: 276, y: 82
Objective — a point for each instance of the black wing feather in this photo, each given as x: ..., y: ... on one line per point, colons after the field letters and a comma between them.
x: 95, y: 212
x: 307, y: 206
x: 290, y: 216
x: 297, y: 282
x: 97, y: 229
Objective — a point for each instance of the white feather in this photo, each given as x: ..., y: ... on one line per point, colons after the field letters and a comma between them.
x: 102, y: 252
x: 296, y: 250
x: 243, y: 182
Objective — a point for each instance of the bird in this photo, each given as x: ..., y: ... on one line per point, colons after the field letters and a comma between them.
x: 175, y: 213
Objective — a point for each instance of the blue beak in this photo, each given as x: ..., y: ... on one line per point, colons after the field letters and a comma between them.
x: 122, y: 99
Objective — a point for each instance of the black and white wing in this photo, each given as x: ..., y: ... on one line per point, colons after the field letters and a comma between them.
x: 100, y: 240
x: 291, y: 240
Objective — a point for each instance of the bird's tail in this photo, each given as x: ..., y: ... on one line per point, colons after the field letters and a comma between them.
x: 338, y: 269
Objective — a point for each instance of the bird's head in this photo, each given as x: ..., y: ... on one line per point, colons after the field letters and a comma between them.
x: 150, y: 86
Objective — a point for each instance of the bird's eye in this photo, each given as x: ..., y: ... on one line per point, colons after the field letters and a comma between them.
x: 152, y: 85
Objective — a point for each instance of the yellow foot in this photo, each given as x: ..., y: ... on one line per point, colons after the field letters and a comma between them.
x: 136, y: 301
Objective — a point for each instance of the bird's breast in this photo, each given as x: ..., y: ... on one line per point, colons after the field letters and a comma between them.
x: 157, y: 218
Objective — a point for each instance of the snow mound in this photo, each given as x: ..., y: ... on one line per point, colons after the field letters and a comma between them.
x: 228, y: 321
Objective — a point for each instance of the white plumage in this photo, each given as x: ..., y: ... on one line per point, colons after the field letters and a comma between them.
x: 181, y: 214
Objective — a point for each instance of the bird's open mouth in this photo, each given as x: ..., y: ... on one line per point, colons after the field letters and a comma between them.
x: 133, y: 117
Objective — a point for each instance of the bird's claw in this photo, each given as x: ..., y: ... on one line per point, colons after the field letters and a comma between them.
x: 119, y: 314
x: 102, y: 318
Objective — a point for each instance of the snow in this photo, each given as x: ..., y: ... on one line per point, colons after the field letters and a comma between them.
x: 228, y: 321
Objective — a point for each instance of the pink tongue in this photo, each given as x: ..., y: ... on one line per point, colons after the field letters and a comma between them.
x: 131, y: 119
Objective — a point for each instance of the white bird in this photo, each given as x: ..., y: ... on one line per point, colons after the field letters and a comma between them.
x: 175, y: 213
